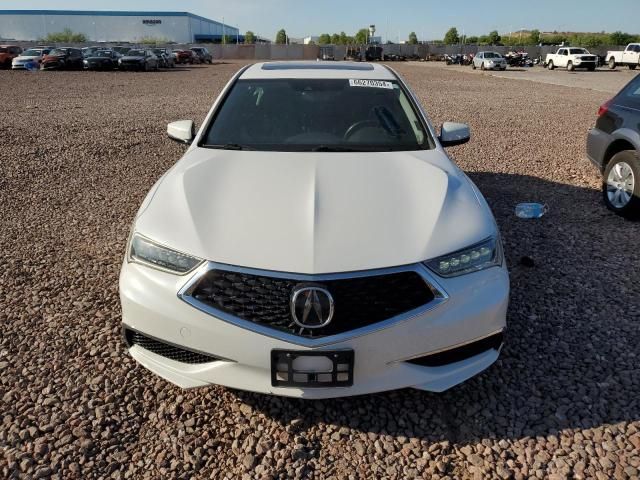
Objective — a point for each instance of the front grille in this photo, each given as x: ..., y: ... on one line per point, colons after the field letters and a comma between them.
x: 166, y: 350
x: 460, y: 353
x: 359, y: 301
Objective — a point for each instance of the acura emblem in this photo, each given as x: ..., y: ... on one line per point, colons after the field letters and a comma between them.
x: 311, y: 307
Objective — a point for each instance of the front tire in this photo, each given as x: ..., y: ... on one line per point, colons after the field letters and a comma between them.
x: 612, y: 63
x: 570, y: 67
x: 473, y: 65
x: 482, y: 66
x: 621, y: 184
x: 632, y: 67
x: 550, y: 65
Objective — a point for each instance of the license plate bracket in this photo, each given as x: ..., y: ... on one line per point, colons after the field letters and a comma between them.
x: 283, y: 373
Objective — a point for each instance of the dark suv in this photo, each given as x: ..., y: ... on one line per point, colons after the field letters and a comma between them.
x: 203, y: 54
x: 614, y: 146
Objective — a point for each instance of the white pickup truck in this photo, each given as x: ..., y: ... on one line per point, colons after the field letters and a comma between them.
x: 571, y: 58
x: 630, y: 57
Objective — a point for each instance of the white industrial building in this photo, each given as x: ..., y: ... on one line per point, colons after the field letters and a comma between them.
x: 112, y: 26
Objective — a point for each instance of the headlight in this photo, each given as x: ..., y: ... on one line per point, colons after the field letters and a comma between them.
x: 485, y: 254
x: 142, y: 250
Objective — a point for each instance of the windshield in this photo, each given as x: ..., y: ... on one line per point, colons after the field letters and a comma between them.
x: 492, y: 55
x: 103, y: 53
x: 320, y: 115
x: 57, y: 51
x: 136, y: 53
x: 32, y: 53
x: 577, y: 51
x: 158, y: 52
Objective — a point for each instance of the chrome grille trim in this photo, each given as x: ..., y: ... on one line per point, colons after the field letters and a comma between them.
x: 439, y: 293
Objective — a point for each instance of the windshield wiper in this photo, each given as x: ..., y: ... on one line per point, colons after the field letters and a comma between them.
x: 229, y: 146
x: 334, y: 148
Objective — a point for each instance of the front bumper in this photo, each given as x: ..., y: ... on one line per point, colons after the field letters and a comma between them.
x: 475, y: 309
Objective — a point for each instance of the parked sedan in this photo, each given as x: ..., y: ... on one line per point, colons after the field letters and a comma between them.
x: 139, y: 59
x: 62, y: 59
x: 315, y: 241
x: 102, y: 60
x: 7, y: 54
x: 489, y: 61
x: 29, y: 59
x: 185, y: 56
x: 165, y: 57
x: 613, y: 145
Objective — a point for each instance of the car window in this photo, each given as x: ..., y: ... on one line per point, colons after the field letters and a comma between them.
x: 304, y: 114
x: 630, y: 95
x: 577, y: 51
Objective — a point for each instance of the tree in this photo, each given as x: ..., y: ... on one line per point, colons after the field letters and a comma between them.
x: 335, y: 39
x: 620, y: 38
x: 471, y: 40
x: 452, y: 37
x: 362, y: 36
x: 65, y: 36
x: 324, y: 39
x: 413, y: 38
x: 344, y: 39
x: 249, y: 37
x: 281, y: 37
x: 494, y: 37
x: 534, y: 37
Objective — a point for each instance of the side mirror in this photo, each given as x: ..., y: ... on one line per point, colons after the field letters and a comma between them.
x: 452, y: 134
x: 182, y: 131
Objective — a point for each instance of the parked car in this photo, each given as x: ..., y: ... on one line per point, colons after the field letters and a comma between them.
x: 309, y: 243
x: 571, y: 58
x: 630, y: 57
x: 489, y: 61
x: 165, y: 57
x: 202, y: 54
x: 64, y: 58
x: 29, y: 59
x: 89, y: 51
x: 139, y: 59
x: 185, y: 56
x: 121, y: 50
x: 613, y: 145
x: 102, y: 60
x: 7, y: 54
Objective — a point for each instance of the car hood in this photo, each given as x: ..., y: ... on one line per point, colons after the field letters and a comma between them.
x: 24, y: 59
x: 315, y: 212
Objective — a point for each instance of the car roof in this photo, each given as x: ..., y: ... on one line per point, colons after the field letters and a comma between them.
x: 328, y: 70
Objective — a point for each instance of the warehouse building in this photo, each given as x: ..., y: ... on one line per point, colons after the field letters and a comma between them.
x: 106, y: 26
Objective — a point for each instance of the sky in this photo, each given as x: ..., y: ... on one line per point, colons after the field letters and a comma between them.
x: 430, y: 19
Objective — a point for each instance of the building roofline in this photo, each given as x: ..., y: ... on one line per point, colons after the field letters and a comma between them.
x: 112, y: 13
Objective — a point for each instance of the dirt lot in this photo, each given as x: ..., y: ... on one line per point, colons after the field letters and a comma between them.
x: 79, y: 152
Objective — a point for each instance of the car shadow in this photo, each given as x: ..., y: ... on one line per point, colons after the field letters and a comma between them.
x: 570, y: 357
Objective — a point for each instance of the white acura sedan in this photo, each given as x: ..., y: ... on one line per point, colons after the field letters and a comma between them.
x: 315, y: 241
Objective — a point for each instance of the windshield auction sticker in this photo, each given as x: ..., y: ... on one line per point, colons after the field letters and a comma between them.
x: 370, y: 83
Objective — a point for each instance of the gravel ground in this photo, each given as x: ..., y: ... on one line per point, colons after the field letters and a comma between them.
x: 79, y: 152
